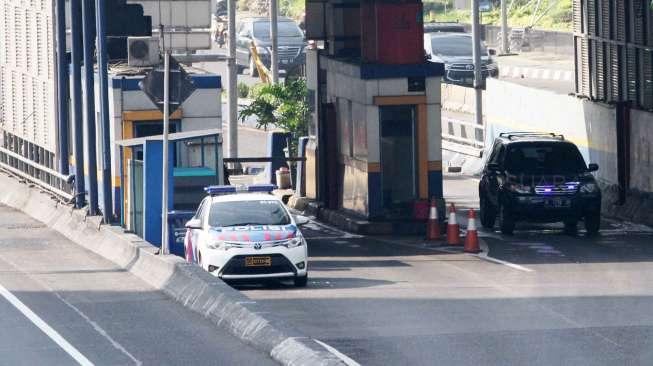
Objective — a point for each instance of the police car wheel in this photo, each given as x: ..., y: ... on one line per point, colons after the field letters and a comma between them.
x: 301, y: 281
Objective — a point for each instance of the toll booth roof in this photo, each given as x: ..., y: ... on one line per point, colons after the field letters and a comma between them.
x: 177, y: 136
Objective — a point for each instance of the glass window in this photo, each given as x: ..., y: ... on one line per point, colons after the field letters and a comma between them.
x: 285, y: 29
x: 454, y: 45
x: 240, y: 213
x: 545, y: 159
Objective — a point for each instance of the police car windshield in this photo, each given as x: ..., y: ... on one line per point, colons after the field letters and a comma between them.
x: 240, y: 213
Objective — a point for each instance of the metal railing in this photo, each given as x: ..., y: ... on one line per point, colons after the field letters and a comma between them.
x: 463, y: 132
x: 32, y: 171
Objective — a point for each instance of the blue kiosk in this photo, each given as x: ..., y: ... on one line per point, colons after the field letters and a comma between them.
x: 196, y: 161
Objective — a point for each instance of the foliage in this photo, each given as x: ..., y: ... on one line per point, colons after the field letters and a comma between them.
x: 280, y: 105
x: 243, y: 90
x: 550, y: 14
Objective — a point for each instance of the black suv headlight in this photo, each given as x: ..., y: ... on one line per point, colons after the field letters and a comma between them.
x: 589, y: 188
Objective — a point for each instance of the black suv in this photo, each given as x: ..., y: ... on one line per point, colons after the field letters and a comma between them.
x: 291, y: 48
x: 538, y: 178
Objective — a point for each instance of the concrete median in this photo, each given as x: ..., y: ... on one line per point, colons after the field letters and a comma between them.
x: 188, y: 284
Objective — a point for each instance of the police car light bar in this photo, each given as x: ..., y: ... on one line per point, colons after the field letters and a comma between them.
x: 215, y: 190
x: 220, y: 190
x: 261, y: 188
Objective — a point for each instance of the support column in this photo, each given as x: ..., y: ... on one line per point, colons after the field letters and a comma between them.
x: 76, y: 100
x: 102, y: 59
x: 63, y: 86
x: 89, y: 104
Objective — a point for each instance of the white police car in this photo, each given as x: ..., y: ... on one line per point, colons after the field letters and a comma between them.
x: 247, y: 234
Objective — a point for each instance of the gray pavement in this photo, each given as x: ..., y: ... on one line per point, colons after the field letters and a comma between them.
x: 99, y: 310
x: 539, y: 70
x: 390, y: 300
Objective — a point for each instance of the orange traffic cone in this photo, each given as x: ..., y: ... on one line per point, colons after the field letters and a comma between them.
x: 453, y: 229
x: 433, y: 224
x: 471, y: 240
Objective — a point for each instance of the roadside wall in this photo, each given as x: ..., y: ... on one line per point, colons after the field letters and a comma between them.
x: 641, y: 150
x: 591, y: 126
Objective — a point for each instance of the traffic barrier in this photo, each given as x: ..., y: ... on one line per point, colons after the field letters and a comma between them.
x: 471, y: 239
x: 187, y: 284
x: 453, y: 229
x: 433, y: 224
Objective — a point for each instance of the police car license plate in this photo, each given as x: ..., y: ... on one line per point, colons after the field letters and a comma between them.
x: 258, y: 261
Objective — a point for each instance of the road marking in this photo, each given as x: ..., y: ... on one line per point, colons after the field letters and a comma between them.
x: 93, y: 324
x: 485, y: 256
x: 344, y: 358
x: 45, y: 328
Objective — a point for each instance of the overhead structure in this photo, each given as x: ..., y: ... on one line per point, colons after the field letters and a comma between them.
x: 186, y: 23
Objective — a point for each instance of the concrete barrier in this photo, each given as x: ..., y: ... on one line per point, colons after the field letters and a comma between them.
x: 188, y: 284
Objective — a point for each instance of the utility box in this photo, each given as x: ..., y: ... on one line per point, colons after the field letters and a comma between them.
x: 395, y: 35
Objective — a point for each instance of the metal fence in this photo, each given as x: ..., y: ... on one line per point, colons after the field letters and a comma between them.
x: 34, y: 164
x: 613, y: 41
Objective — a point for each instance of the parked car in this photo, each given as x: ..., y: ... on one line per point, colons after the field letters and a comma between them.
x: 448, y: 27
x: 247, y: 235
x: 292, y: 45
x: 536, y: 177
x: 454, y: 50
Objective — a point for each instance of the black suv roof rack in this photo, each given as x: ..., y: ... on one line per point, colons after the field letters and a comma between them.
x: 514, y: 135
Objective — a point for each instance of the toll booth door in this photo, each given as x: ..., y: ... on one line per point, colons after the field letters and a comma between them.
x: 136, y: 204
x: 398, y: 160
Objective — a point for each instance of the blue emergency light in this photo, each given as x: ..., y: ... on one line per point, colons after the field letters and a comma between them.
x: 216, y: 190
x: 221, y: 190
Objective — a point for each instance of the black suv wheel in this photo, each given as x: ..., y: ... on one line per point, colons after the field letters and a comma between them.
x: 506, y: 222
x: 571, y: 227
x: 593, y: 223
x: 488, y: 214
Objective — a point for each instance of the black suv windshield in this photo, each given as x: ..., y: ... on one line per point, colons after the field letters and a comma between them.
x: 544, y: 158
x: 241, y: 213
x: 454, y: 45
x: 285, y: 29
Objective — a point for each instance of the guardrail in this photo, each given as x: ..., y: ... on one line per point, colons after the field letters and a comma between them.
x: 463, y: 136
x: 46, y: 178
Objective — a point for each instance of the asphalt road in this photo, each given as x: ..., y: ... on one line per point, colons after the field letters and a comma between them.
x: 61, y: 305
x: 541, y: 298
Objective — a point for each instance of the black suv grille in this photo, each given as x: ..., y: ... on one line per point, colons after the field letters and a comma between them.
x: 236, y: 266
x: 557, y: 190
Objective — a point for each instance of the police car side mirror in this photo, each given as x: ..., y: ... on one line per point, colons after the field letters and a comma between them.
x: 194, y: 224
x: 301, y: 220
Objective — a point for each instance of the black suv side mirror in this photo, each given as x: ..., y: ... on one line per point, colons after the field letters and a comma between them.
x: 593, y: 167
x: 493, y: 167
x: 492, y: 52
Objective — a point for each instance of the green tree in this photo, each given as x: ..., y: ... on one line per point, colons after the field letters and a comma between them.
x: 280, y: 105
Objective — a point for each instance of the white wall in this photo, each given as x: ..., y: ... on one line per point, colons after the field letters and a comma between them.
x: 641, y: 150
x: 591, y: 126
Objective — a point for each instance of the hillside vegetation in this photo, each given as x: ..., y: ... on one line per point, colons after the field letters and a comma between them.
x: 544, y: 14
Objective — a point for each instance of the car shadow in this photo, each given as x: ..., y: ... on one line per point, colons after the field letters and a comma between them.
x: 314, y: 283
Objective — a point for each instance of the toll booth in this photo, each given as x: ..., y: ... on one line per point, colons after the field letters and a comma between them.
x: 195, y: 160
x: 374, y: 148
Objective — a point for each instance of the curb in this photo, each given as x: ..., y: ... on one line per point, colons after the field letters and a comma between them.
x: 187, y: 284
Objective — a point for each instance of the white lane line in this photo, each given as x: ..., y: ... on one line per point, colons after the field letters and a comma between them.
x: 45, y: 328
x: 484, y: 256
x: 344, y: 358
x: 88, y: 320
